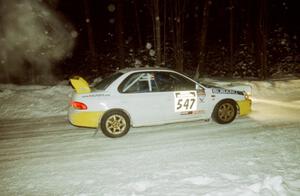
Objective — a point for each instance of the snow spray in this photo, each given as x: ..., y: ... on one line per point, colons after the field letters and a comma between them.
x: 33, y: 37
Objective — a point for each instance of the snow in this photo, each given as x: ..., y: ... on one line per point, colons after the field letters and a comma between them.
x: 112, y: 21
x: 42, y: 154
x: 111, y: 8
x: 152, y: 52
x: 19, y: 102
x: 33, y: 38
x: 148, y: 45
x: 74, y: 34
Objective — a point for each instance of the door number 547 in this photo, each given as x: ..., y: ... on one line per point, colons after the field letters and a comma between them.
x: 185, y: 101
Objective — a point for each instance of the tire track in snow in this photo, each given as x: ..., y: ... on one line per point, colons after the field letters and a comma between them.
x: 51, y: 145
x: 50, y: 142
x: 66, y: 148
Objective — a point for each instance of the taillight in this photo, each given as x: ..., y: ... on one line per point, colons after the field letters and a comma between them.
x: 78, y: 105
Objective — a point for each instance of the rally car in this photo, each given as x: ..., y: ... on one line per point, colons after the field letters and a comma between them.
x: 151, y: 96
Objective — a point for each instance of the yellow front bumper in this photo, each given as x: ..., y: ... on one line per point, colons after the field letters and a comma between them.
x: 85, y: 119
x: 245, y: 106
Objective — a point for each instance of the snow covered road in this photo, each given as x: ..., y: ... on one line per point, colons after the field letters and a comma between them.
x: 50, y: 157
x: 256, y: 155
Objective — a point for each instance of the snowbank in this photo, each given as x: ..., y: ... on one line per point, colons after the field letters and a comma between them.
x: 272, y: 100
x: 33, y: 101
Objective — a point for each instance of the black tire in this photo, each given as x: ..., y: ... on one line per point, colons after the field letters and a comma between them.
x: 225, y: 112
x: 115, y: 124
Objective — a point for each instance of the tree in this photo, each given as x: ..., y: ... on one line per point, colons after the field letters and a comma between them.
x: 231, y: 35
x: 203, y: 34
x: 90, y: 34
x: 156, y: 30
x: 119, y: 31
x: 262, y: 38
x: 177, y: 26
x: 137, y: 23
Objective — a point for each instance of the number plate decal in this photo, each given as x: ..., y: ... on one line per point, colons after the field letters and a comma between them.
x: 185, y: 101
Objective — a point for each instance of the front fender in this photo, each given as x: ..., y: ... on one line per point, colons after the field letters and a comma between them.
x: 244, y: 106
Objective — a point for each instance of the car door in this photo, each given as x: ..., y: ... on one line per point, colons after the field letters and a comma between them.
x: 185, y: 96
x: 142, y: 100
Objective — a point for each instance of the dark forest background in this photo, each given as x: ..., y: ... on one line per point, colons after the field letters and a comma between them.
x: 224, y: 38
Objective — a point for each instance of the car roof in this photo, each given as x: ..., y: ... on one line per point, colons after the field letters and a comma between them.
x: 141, y: 69
x: 138, y: 69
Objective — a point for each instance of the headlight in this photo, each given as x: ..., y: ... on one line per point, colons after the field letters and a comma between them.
x: 247, y: 95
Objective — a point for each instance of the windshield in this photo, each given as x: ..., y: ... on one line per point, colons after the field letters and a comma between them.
x: 103, y: 84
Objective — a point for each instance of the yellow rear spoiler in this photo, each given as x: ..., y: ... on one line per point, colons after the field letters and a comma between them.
x: 80, y: 85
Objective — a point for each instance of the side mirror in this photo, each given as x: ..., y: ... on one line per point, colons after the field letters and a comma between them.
x: 200, y: 90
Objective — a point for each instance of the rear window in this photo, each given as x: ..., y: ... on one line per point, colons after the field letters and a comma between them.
x: 103, y: 84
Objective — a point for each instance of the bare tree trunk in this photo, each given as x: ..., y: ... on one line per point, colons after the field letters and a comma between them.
x: 249, y: 31
x: 164, y: 29
x: 157, y: 36
x: 203, y: 34
x: 137, y: 24
x: 231, y: 36
x: 119, y: 30
x: 91, y: 41
x: 177, y: 24
x: 262, y: 38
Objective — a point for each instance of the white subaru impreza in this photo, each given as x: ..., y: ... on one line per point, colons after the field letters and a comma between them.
x: 151, y: 96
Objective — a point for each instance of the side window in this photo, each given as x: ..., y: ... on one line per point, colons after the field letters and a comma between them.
x: 173, y: 82
x: 182, y: 83
x: 135, y: 83
x: 164, y: 81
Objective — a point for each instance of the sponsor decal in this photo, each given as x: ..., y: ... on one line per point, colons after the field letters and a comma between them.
x: 224, y: 91
x: 192, y: 112
x: 96, y: 95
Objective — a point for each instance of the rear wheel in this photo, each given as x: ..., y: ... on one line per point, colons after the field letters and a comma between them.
x: 115, y: 124
x: 225, y: 112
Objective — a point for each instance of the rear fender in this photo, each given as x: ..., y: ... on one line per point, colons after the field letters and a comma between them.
x: 119, y: 109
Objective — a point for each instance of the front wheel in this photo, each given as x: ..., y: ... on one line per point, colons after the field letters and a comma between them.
x: 115, y: 124
x: 225, y: 112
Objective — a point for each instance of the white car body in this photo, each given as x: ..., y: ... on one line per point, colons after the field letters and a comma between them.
x: 153, y: 107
